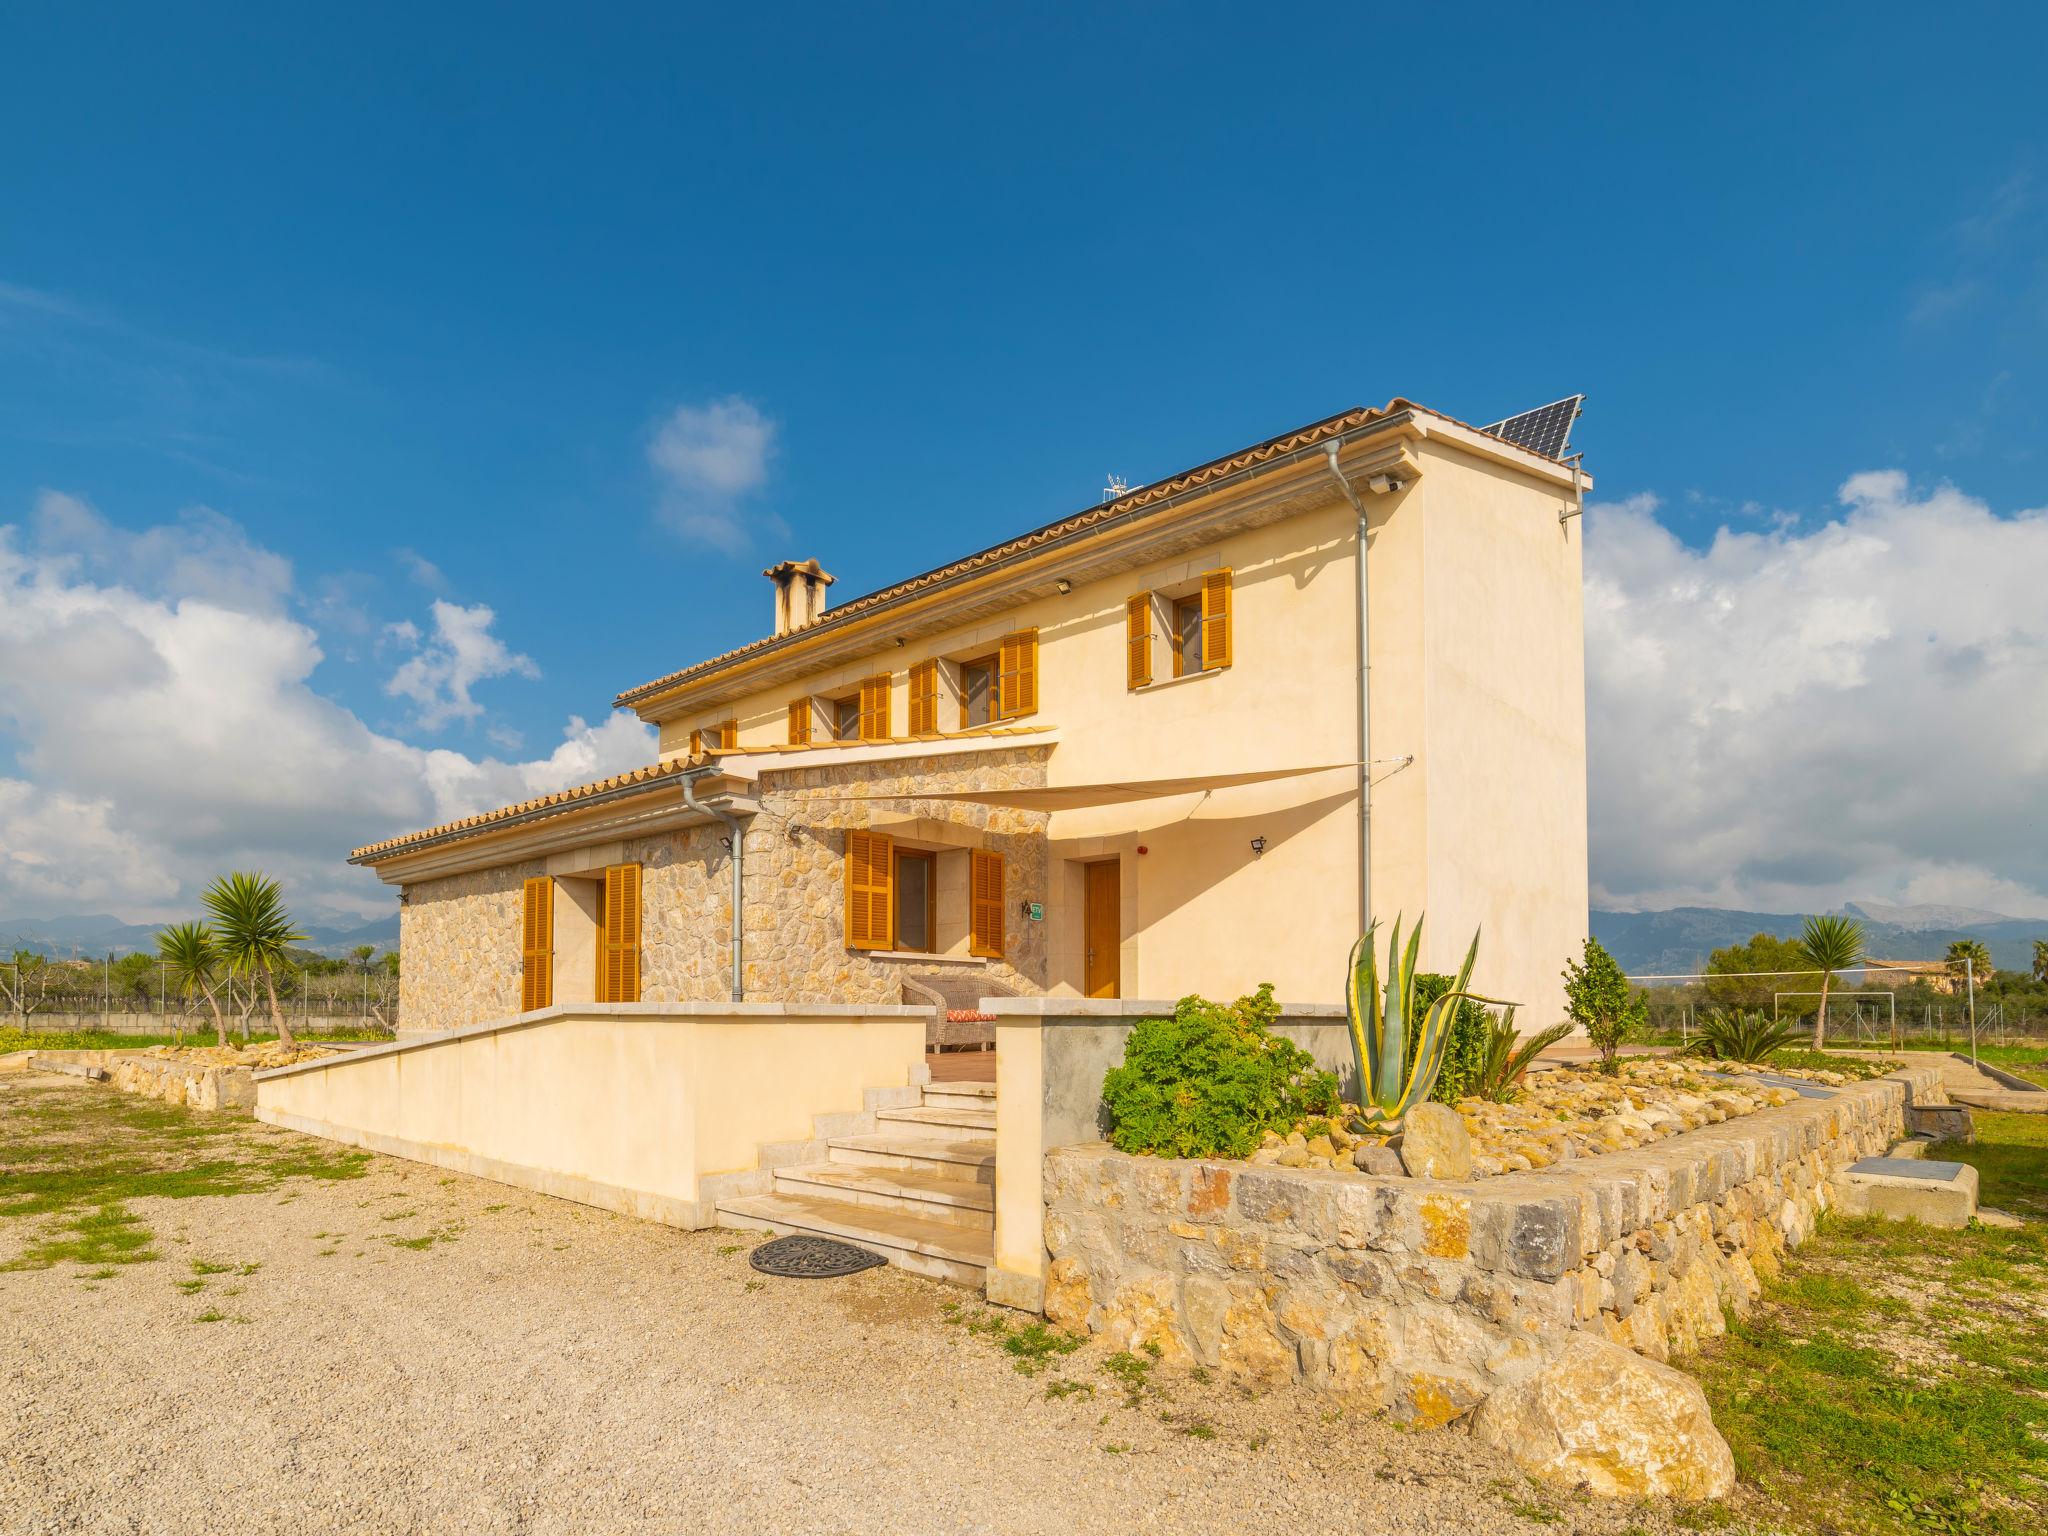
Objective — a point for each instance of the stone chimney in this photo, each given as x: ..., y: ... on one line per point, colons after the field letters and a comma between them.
x: 799, y: 593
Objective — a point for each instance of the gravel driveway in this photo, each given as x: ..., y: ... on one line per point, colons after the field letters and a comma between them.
x: 401, y: 1350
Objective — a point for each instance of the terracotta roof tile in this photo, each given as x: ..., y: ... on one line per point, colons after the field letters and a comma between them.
x: 561, y: 799
x: 568, y: 799
x: 1143, y: 496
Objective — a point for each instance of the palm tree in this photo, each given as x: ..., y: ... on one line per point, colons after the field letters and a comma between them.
x: 361, y: 955
x: 192, y: 956
x: 1974, y: 952
x: 2041, y: 959
x: 255, y: 931
x: 1830, y: 944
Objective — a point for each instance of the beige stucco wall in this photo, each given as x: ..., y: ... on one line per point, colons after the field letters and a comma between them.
x: 627, y: 1106
x: 1477, y: 672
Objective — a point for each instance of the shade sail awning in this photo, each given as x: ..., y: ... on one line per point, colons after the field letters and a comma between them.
x: 1078, y: 797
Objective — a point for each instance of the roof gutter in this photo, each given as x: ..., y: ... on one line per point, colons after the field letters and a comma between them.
x: 649, y: 692
x: 1364, y: 687
x: 374, y: 855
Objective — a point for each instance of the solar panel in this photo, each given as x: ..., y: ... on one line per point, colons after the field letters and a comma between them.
x: 1546, y: 430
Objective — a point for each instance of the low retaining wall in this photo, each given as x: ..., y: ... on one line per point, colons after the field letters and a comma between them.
x: 1051, y: 1054
x: 628, y: 1106
x: 1419, y: 1297
x: 190, y: 1084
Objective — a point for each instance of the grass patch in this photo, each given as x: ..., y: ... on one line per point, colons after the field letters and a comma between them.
x: 78, y: 1155
x: 1031, y: 1347
x: 111, y: 1235
x: 2010, y: 1155
x: 1895, y: 1379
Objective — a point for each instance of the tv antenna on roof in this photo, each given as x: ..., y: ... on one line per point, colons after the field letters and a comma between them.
x: 1115, y: 488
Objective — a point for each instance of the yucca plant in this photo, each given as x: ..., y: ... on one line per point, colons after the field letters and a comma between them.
x: 1392, y: 1079
x: 1738, y: 1036
x: 254, y: 932
x: 1507, y: 1059
x: 192, y: 957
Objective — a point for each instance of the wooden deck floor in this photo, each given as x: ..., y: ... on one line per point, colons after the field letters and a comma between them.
x: 961, y: 1066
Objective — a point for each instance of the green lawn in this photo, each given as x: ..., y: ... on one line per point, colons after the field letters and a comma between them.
x: 71, y: 1156
x: 14, y: 1039
x: 1895, y: 1379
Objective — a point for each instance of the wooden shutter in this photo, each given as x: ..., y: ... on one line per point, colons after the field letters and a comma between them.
x: 1138, y: 632
x: 696, y: 743
x: 618, y: 974
x: 874, y: 708
x: 1215, y: 619
x: 986, y: 907
x: 537, y: 945
x: 870, y: 890
x: 924, y: 699
x: 729, y: 735
x: 1017, y: 671
x: 799, y: 722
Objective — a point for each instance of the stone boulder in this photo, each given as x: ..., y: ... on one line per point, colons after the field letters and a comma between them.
x: 1434, y: 1143
x: 1603, y: 1416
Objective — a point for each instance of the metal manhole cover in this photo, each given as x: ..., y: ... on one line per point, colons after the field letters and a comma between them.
x: 812, y: 1258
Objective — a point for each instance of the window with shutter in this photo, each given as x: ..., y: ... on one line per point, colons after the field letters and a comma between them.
x: 799, y: 722
x: 1017, y: 684
x: 537, y: 945
x: 870, y: 890
x: 874, y: 708
x: 1138, y: 640
x: 986, y: 907
x: 618, y: 950
x: 1215, y: 619
x: 924, y: 699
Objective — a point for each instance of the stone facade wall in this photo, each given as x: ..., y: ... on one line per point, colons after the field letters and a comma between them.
x: 458, y: 947
x: 796, y: 853
x: 459, y: 934
x: 1418, y: 1297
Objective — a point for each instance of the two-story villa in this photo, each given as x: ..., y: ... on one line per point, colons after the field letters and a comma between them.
x: 1187, y: 740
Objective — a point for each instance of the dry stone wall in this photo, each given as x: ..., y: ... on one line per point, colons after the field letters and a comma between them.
x: 1420, y: 1297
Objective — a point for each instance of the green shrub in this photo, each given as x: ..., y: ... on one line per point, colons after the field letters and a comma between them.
x: 1464, y: 1050
x: 1739, y: 1036
x: 1601, y: 1002
x: 1211, y: 1080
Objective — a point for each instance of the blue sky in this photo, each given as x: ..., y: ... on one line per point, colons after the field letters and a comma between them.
x: 585, y: 316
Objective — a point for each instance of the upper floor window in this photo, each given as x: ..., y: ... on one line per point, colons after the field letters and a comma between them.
x: 846, y: 718
x: 722, y: 737
x: 1198, y: 629
x: 977, y: 692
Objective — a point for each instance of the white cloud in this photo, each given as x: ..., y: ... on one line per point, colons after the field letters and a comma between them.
x: 165, y: 732
x: 1789, y: 719
x: 461, y: 653
x: 711, y: 460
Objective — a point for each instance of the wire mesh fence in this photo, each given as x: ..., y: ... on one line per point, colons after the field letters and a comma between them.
x: 1869, y: 1007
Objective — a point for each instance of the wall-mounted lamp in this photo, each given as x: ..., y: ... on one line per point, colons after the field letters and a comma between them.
x: 1063, y: 586
x: 1258, y: 847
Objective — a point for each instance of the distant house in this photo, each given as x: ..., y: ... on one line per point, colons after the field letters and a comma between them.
x: 1125, y: 754
x: 1932, y: 974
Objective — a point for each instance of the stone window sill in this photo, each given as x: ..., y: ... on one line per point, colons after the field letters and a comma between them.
x: 922, y: 958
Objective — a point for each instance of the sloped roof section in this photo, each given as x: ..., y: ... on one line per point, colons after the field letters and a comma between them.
x: 561, y: 799
x: 1075, y: 523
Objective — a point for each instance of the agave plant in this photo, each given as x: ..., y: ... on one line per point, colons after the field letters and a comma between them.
x: 1739, y: 1036
x: 1392, y: 1079
x: 1509, y: 1058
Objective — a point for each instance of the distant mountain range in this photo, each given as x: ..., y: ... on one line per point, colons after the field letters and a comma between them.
x: 97, y: 936
x: 1678, y: 940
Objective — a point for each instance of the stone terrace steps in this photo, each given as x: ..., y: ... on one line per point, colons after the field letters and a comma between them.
x: 919, y: 1191
x: 971, y: 1157
x: 939, y: 1121
x: 960, y: 1200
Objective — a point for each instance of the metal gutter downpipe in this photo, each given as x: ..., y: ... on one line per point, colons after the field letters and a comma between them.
x: 737, y: 838
x: 1364, y: 701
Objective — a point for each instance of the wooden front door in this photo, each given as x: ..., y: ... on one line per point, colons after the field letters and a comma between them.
x: 1104, y: 931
